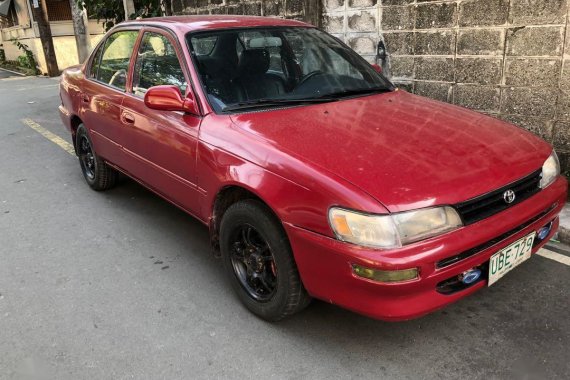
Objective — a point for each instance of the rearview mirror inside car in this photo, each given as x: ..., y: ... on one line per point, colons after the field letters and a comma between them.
x: 265, y: 42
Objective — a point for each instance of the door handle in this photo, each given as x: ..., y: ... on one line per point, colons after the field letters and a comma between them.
x: 128, y: 118
x: 85, y: 98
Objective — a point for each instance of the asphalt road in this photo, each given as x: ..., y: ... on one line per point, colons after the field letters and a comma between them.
x: 122, y: 285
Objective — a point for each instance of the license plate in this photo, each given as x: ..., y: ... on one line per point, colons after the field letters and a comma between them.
x: 509, y: 257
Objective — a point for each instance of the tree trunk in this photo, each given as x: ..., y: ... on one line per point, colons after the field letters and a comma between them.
x: 167, y: 7
x: 129, y: 8
x: 81, y: 33
x: 40, y: 16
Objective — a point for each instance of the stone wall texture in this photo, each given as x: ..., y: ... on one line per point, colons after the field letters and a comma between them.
x: 506, y: 58
x: 306, y: 10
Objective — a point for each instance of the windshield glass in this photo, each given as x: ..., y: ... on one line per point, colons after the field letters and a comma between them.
x: 269, y: 67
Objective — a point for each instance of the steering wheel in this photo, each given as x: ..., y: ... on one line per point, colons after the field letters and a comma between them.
x: 309, y: 76
x: 120, y: 73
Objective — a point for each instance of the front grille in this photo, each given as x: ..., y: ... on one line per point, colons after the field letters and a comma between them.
x: 489, y: 204
x: 473, y: 251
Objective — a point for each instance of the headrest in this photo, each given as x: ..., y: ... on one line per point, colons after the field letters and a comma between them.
x: 253, y: 62
x: 212, y: 67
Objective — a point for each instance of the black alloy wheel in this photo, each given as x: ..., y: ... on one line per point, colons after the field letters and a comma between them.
x: 98, y: 175
x: 253, y: 263
x: 259, y: 261
x: 86, y: 157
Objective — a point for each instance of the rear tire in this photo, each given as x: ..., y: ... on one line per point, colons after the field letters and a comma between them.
x: 98, y: 175
x: 259, y: 261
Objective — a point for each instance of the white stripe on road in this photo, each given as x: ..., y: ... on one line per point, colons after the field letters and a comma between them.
x: 562, y: 259
x: 50, y: 136
x: 37, y: 87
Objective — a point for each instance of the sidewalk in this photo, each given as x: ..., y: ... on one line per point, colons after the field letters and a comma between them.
x: 564, y: 230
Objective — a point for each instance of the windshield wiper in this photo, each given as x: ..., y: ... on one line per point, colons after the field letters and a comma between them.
x: 360, y: 91
x: 275, y: 102
x: 332, y: 97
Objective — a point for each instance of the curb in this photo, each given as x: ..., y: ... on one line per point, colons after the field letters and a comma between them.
x: 13, y: 72
x: 564, y: 235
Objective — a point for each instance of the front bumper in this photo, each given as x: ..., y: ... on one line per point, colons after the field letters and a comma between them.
x: 325, y: 264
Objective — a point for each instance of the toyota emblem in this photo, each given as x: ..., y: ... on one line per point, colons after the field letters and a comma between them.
x: 509, y: 196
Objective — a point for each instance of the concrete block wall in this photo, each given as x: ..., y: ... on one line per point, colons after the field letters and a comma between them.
x: 507, y: 58
x: 356, y: 22
x: 296, y: 9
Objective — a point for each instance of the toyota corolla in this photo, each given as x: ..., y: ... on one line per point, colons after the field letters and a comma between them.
x: 317, y: 177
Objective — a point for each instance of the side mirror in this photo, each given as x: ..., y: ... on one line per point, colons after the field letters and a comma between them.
x: 377, y: 68
x: 169, y: 98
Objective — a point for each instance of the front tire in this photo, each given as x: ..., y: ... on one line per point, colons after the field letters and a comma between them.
x: 98, y: 175
x: 259, y: 261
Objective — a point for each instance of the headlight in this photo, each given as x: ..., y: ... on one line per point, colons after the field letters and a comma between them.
x: 390, y: 231
x: 369, y: 230
x: 422, y: 224
x: 550, y: 170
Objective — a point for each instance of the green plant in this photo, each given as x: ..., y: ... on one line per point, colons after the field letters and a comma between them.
x: 27, y: 60
x: 23, y: 61
x: 112, y: 12
x: 2, y: 54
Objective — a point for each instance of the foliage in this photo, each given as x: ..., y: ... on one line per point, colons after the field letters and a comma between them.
x: 112, y: 12
x: 23, y: 61
x: 27, y: 60
x: 2, y: 54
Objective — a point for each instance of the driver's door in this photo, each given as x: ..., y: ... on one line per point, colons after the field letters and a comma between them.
x: 161, y: 146
x: 103, y: 93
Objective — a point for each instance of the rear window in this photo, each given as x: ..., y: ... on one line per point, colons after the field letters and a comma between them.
x: 204, y: 45
x: 114, y: 63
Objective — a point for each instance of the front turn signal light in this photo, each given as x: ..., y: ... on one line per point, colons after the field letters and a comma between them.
x: 385, y: 275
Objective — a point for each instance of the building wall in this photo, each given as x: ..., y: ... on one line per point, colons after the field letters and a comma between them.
x: 356, y: 22
x: 63, y: 40
x: 506, y: 58
x: 307, y: 10
x: 21, y: 7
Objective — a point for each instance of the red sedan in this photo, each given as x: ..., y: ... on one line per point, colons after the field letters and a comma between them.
x: 316, y: 176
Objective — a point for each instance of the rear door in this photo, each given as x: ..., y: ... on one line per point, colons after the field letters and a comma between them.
x: 104, y: 91
x: 161, y: 145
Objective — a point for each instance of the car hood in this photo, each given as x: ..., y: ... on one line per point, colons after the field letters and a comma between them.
x: 404, y: 150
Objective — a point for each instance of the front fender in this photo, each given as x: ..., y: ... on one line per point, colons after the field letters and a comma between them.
x: 297, y: 193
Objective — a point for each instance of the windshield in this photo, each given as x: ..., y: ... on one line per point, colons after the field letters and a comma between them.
x: 270, y: 67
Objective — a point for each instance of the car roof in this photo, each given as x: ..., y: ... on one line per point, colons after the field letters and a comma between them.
x: 202, y: 22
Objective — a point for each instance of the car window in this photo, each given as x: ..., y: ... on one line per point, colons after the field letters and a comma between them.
x: 267, y: 67
x: 95, y: 63
x: 250, y: 40
x: 157, y: 64
x: 312, y: 56
x: 117, y: 53
x: 204, y: 46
